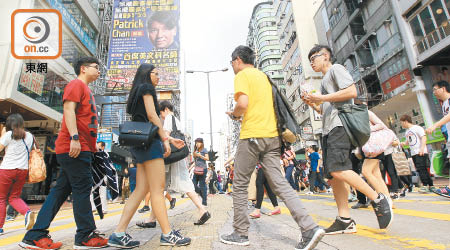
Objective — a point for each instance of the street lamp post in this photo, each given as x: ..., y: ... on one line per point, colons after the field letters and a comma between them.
x: 209, y: 97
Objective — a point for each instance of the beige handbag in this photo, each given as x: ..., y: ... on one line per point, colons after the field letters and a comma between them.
x: 37, y: 171
x: 400, y: 162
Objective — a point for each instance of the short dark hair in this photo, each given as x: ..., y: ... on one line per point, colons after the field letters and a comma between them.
x: 165, y: 104
x: 84, y: 61
x: 102, y: 143
x: 317, y: 48
x: 246, y: 54
x: 443, y: 84
x: 444, y: 68
x: 168, y: 18
x: 406, y: 118
x: 315, y: 148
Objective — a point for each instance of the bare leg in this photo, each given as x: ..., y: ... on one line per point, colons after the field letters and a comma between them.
x: 156, y: 181
x: 197, y: 202
x: 354, y: 180
x: 169, y: 198
x: 147, y: 199
x: 135, y: 199
x: 371, y: 170
x: 340, y: 192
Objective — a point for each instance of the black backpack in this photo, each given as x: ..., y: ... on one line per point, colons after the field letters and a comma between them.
x: 288, y: 127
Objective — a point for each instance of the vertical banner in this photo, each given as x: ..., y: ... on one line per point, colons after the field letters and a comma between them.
x: 144, y: 32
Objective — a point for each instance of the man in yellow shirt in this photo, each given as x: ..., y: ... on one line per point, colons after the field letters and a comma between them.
x: 259, y: 143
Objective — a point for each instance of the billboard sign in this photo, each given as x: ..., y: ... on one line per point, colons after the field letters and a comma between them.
x: 144, y: 32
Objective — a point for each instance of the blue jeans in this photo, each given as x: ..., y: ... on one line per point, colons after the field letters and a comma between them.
x: 288, y: 175
x: 75, y: 177
x: 200, y: 186
x: 219, y: 186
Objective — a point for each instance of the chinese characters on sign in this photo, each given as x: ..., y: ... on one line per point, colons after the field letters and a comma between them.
x: 32, y: 76
x: 144, y: 32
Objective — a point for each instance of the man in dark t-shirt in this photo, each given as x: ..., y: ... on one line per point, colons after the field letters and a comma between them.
x: 74, y: 147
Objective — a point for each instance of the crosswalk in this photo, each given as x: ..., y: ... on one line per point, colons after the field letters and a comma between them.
x: 422, y: 221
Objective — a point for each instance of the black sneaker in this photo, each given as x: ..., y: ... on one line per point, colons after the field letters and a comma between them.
x: 403, y: 192
x: 360, y: 205
x: 383, y: 210
x: 144, y: 209
x: 122, y: 241
x: 172, y: 203
x: 340, y: 227
x: 144, y: 224
x: 309, y: 239
x: 174, y: 239
x: 235, y: 239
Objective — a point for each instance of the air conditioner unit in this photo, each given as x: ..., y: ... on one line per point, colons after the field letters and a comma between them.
x: 283, y: 15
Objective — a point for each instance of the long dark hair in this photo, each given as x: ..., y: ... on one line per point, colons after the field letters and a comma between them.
x: 142, y: 77
x: 15, y: 123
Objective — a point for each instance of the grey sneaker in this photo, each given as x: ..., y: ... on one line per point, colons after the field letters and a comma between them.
x: 174, y: 239
x: 340, y: 227
x: 383, y: 210
x: 235, y: 239
x: 309, y: 239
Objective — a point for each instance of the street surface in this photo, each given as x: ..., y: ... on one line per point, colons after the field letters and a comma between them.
x: 422, y: 221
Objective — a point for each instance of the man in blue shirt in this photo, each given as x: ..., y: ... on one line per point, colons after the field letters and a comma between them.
x: 314, y: 157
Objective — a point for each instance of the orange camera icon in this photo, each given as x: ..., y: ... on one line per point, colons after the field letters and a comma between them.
x: 36, y: 34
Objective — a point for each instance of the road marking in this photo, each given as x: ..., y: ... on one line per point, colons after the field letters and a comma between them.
x: 17, y: 238
x: 400, y: 211
x: 376, y: 234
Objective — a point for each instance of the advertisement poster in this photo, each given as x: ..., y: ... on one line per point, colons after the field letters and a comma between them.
x: 144, y: 32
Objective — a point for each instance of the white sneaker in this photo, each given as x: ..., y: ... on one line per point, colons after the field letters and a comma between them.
x: 330, y: 190
x: 309, y: 193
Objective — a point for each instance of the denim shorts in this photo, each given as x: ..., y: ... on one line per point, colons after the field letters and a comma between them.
x: 143, y: 154
x: 336, y: 148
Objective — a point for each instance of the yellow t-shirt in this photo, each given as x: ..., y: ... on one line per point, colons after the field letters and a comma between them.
x: 259, y: 119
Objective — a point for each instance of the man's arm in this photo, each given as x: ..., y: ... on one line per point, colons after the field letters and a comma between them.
x: 438, y: 124
x: 241, y: 106
x: 71, y: 123
x: 339, y: 96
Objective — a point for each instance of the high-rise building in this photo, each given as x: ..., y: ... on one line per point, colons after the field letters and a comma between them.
x: 37, y: 94
x: 262, y: 38
x: 297, y: 35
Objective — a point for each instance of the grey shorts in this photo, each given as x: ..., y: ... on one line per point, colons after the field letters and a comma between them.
x: 336, y: 147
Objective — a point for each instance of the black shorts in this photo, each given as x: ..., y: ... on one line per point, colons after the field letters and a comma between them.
x: 336, y: 147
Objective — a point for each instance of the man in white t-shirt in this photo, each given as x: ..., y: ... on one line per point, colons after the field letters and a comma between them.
x: 417, y: 141
x: 441, y: 90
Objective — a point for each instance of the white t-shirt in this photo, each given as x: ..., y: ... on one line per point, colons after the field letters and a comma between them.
x: 414, y: 136
x: 168, y: 123
x: 15, y: 151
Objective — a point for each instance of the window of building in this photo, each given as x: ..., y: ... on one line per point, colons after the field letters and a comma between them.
x: 371, y: 7
x: 447, y: 3
x: 46, y: 88
x: 416, y: 29
x: 440, y: 16
x: 75, y: 11
x: 342, y: 40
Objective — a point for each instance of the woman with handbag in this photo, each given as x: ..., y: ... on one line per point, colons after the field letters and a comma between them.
x: 142, y: 104
x: 14, y: 169
x: 200, y: 169
x: 178, y: 172
x: 380, y: 141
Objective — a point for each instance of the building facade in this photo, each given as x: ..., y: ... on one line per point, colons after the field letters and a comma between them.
x: 262, y: 38
x: 297, y: 35
x: 373, y: 40
x: 37, y: 95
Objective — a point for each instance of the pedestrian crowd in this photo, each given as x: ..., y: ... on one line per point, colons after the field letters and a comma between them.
x: 376, y: 172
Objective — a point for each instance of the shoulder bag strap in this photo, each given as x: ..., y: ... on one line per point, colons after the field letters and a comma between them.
x: 28, y: 151
x: 174, y: 124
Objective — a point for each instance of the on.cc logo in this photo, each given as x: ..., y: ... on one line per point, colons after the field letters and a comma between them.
x: 36, y: 29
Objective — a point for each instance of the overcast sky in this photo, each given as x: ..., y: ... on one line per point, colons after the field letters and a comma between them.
x: 209, y: 32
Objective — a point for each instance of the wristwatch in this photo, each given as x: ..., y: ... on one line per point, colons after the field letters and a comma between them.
x: 234, y: 117
x: 74, y: 137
